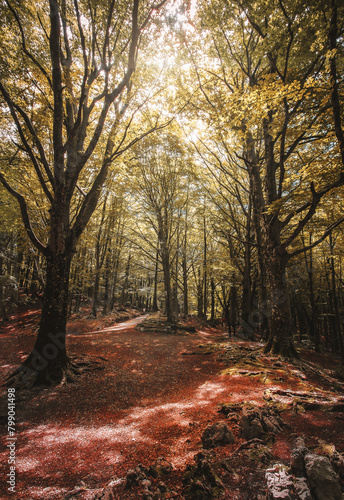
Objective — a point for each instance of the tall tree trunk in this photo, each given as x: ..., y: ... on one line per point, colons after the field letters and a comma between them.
x: 176, y: 270
x: 314, y: 319
x: 100, y: 251
x: 337, y: 322
x: 212, y: 285
x: 107, y: 283
x: 280, y: 324
x: 165, y: 261
x: 95, y: 301
x: 124, y: 295
x: 246, y: 283
x: 233, y: 295
x: 200, y: 289
x: 184, y: 263
x: 185, y: 287
x: 48, y: 362
x: 4, y: 314
x: 155, y: 293
x: 205, y: 265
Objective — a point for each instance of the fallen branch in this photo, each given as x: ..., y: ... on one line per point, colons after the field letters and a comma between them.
x: 246, y: 444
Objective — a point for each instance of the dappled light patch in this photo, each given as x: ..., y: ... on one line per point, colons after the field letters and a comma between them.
x: 52, y: 492
x: 27, y: 464
x: 209, y: 390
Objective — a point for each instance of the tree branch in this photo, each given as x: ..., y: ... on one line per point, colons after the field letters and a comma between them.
x: 25, y: 50
x: 55, y: 55
x: 316, y: 197
x: 319, y: 240
x: 335, y: 99
x: 26, y: 145
x: 25, y: 215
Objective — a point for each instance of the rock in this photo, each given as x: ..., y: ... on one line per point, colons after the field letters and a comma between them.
x: 200, y: 481
x: 251, y: 429
x: 135, y: 476
x: 260, y: 422
x: 297, y: 462
x: 272, y: 423
x: 147, y: 495
x: 198, y: 491
x: 297, y: 458
x: 261, y: 454
x: 280, y: 484
x: 337, y: 462
x: 146, y: 483
x: 322, y: 478
x: 217, y: 435
x: 162, y: 487
x: 139, y: 477
x: 302, y: 489
x: 160, y: 467
x: 106, y: 494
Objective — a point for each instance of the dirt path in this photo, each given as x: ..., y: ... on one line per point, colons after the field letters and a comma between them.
x: 142, y: 405
x: 153, y: 397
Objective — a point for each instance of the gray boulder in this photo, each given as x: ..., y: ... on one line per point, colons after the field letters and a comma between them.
x: 322, y: 478
x: 297, y: 458
x: 217, y: 435
x: 302, y: 489
x: 280, y: 484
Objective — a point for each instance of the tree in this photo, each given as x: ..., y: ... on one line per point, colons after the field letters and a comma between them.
x: 159, y: 172
x: 67, y: 99
x: 268, y: 96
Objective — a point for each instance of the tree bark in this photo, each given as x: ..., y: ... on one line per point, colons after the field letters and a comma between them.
x: 337, y: 321
x: 155, y: 293
x: 205, y: 268
x: 280, y: 324
x: 233, y: 320
x: 212, y: 288
x: 246, y: 283
x: 48, y: 363
x: 166, y: 267
x: 185, y: 286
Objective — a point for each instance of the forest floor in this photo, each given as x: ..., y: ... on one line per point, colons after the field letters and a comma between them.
x: 151, y: 394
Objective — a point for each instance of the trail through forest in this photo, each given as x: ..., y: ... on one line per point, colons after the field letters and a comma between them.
x: 146, y: 395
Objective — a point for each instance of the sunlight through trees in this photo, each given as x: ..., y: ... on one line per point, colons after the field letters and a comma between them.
x: 186, y: 157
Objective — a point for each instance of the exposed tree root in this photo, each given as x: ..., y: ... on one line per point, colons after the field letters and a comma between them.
x: 309, y: 401
x: 24, y: 378
x: 315, y: 369
x: 283, y: 349
x: 247, y: 444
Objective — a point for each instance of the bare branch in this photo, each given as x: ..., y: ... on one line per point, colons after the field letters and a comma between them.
x: 319, y: 240
x: 153, y: 8
x: 316, y: 197
x: 13, y: 107
x: 25, y: 215
x: 335, y: 99
x: 55, y: 54
x: 25, y: 50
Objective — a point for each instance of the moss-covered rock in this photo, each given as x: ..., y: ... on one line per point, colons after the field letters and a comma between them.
x: 200, y: 480
x: 215, y: 435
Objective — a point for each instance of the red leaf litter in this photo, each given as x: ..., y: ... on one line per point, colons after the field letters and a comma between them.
x: 153, y: 398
